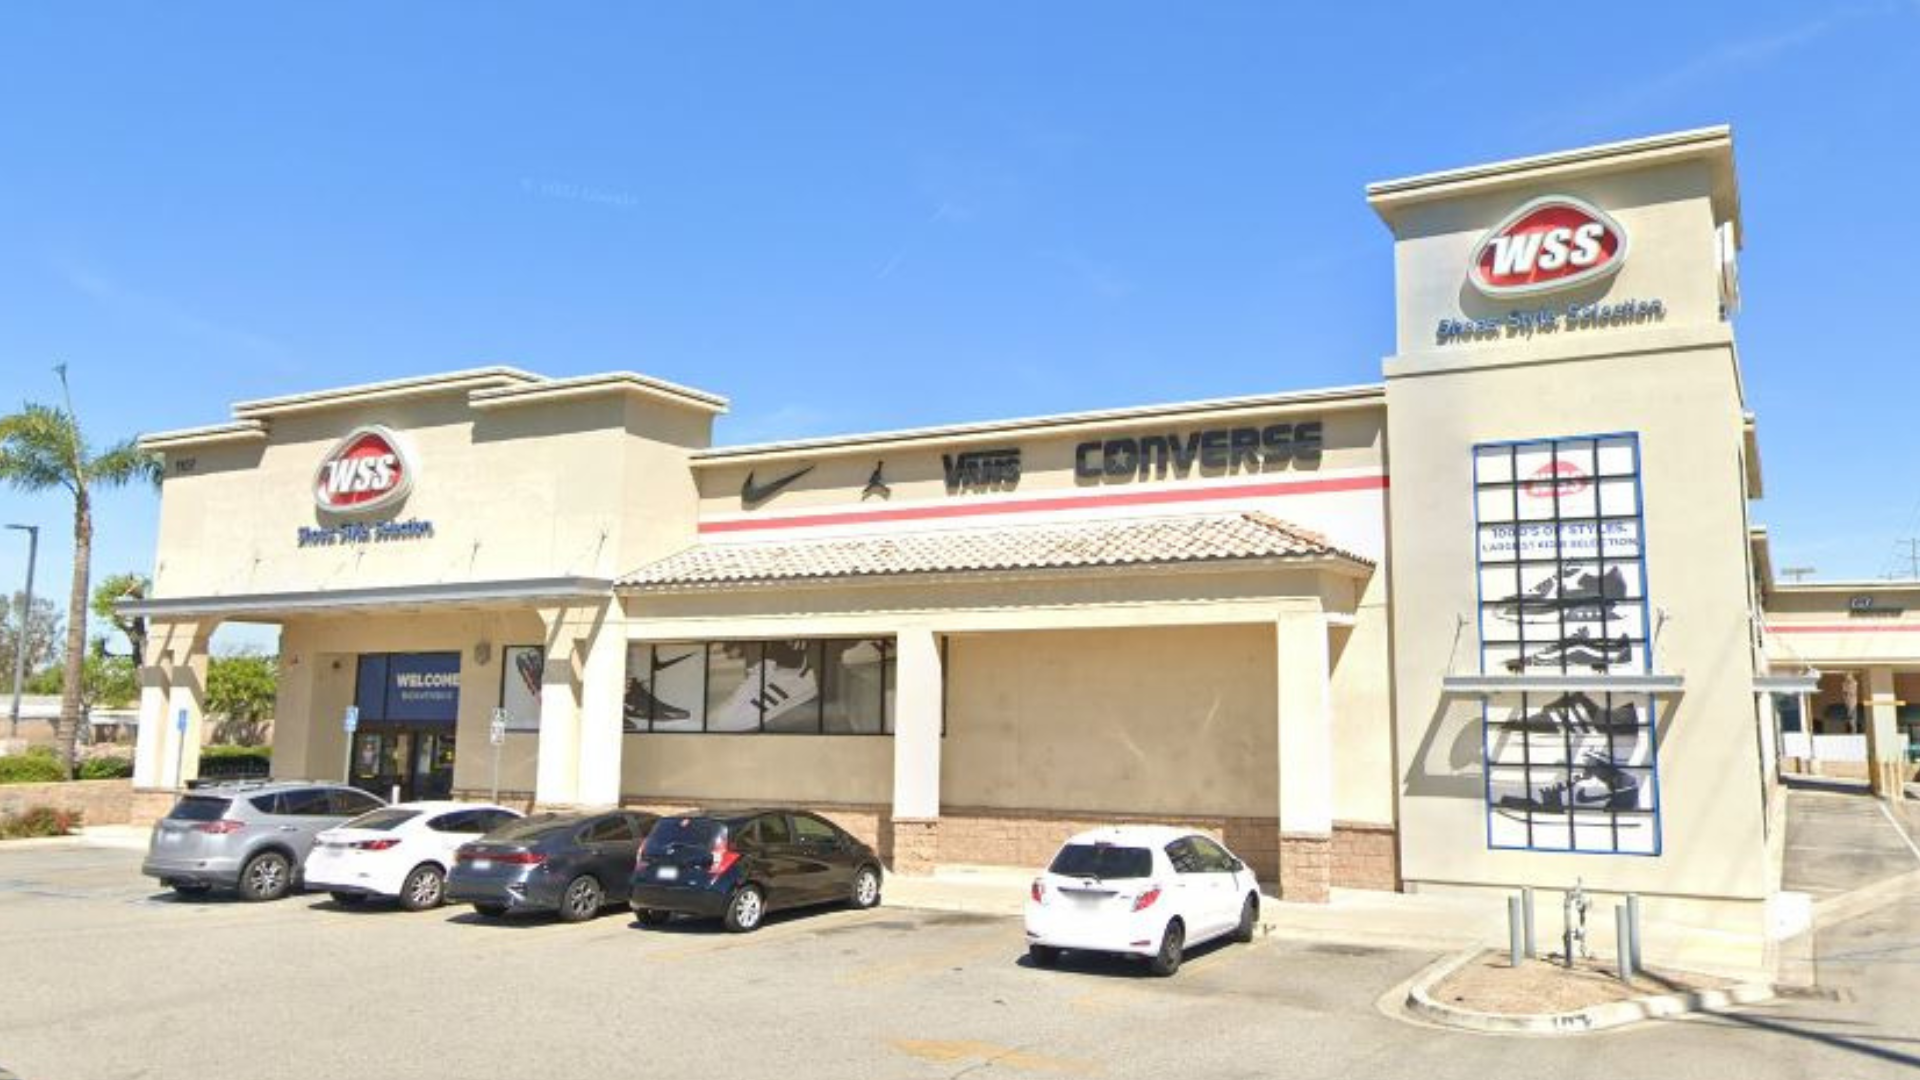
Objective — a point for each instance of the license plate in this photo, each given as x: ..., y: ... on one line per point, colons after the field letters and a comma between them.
x: 169, y: 837
x: 483, y: 864
x: 667, y: 873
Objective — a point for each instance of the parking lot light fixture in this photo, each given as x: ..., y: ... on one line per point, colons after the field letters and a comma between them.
x: 26, y: 624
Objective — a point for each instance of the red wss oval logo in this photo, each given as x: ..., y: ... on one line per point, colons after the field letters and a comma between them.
x: 365, y: 471
x: 1551, y: 243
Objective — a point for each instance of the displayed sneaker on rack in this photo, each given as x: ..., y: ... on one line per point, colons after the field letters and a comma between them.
x: 1580, y: 713
x: 1579, y: 593
x: 527, y: 664
x: 1578, y: 649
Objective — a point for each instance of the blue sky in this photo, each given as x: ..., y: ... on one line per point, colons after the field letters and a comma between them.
x: 852, y: 216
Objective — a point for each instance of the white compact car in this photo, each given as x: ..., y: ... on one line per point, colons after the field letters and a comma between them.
x: 399, y: 852
x: 1140, y: 890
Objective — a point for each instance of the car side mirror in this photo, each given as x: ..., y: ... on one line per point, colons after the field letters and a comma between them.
x: 1236, y: 865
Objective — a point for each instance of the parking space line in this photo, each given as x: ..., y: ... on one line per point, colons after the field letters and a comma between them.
x: 983, y: 1054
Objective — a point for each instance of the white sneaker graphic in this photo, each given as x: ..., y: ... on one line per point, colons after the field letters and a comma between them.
x: 767, y: 690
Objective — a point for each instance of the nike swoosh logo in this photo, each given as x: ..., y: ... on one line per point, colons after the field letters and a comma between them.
x: 662, y: 665
x: 750, y: 494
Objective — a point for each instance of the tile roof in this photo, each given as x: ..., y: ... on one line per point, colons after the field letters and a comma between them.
x: 1130, y: 542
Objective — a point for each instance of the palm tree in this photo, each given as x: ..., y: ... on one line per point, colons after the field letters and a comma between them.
x: 43, y: 448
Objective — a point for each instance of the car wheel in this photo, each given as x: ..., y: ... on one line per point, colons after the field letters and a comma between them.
x: 651, y: 917
x: 424, y: 888
x: 491, y: 911
x: 1044, y: 955
x: 745, y: 910
x: 866, y: 888
x: 1172, y: 944
x: 267, y: 876
x: 348, y: 899
x: 189, y: 889
x: 583, y: 899
x: 1249, y: 920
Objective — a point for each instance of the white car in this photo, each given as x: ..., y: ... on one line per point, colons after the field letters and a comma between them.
x: 399, y: 852
x: 1140, y: 890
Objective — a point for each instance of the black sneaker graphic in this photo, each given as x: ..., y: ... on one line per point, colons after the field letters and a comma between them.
x: 1580, y: 713
x: 641, y: 704
x: 1578, y: 649
x: 1598, y: 786
x: 1582, y: 594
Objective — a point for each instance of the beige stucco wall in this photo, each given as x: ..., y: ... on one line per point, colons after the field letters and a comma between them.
x: 1677, y: 385
x: 1812, y: 625
x: 1179, y: 720
x: 838, y: 769
x: 1665, y: 211
x: 317, y: 672
x: 590, y: 486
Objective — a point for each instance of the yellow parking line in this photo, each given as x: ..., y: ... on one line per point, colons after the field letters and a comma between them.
x: 951, y: 1052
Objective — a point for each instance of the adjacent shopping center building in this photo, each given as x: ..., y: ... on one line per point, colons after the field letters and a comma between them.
x: 1494, y: 620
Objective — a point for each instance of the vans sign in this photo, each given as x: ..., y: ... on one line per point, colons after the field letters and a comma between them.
x: 364, y: 472
x: 1551, y: 243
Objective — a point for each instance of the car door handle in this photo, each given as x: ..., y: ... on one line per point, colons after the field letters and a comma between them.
x: 289, y: 828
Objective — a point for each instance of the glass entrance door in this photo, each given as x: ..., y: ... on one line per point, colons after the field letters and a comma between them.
x: 417, y: 762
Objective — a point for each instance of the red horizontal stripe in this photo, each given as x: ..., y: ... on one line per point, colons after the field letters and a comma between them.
x: 1844, y: 628
x: 1060, y: 502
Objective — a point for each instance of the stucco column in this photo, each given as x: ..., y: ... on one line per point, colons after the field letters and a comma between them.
x: 1306, y: 755
x: 1886, y: 759
x: 603, y: 676
x: 150, y: 739
x: 917, y: 719
x: 172, y: 681
x: 557, y: 770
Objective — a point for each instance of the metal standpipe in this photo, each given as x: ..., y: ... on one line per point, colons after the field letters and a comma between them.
x: 1623, y: 942
x: 1530, y: 944
x: 1515, y: 948
x: 1633, y: 925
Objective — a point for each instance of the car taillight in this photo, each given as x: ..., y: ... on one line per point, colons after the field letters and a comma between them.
x: 220, y: 828
x: 1145, y: 900
x: 374, y: 845
x: 640, y: 860
x: 723, y: 854
x: 520, y: 858
x: 1038, y: 890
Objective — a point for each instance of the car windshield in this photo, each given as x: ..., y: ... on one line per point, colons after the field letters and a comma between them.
x: 682, y: 833
x: 535, y: 827
x: 199, y: 808
x: 1102, y: 861
x: 382, y: 820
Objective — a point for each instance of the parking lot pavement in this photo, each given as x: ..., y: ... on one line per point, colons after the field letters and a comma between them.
x: 107, y: 977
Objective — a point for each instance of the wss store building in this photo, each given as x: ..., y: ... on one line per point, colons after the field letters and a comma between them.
x: 1489, y: 621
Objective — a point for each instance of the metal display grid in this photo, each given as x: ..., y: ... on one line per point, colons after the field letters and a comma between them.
x: 1570, y: 747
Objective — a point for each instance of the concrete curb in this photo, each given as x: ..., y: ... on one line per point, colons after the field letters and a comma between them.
x: 1419, y: 1002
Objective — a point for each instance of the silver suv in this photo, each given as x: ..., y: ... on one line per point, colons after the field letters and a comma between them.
x: 251, y: 837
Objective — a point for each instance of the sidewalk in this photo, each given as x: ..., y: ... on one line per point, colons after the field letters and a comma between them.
x: 1364, y: 918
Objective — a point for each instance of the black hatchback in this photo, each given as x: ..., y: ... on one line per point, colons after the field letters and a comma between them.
x: 739, y: 865
x: 572, y: 864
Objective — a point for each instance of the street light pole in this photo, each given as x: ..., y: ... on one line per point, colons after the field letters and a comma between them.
x: 26, y: 623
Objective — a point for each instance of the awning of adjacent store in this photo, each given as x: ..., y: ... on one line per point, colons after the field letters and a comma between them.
x: 1804, y: 683
x: 1196, y: 540
x: 521, y: 592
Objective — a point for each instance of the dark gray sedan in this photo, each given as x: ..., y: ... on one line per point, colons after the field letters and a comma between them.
x: 570, y: 864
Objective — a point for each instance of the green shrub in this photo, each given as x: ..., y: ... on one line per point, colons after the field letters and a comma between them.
x: 30, y: 768
x: 38, y: 751
x: 226, y: 752
x: 38, y: 821
x: 106, y: 768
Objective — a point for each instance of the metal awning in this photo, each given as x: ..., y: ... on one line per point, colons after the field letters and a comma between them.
x: 1489, y: 685
x: 520, y: 592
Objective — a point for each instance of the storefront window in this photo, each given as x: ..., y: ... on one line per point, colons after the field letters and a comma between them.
x: 666, y: 687
x: 795, y: 686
